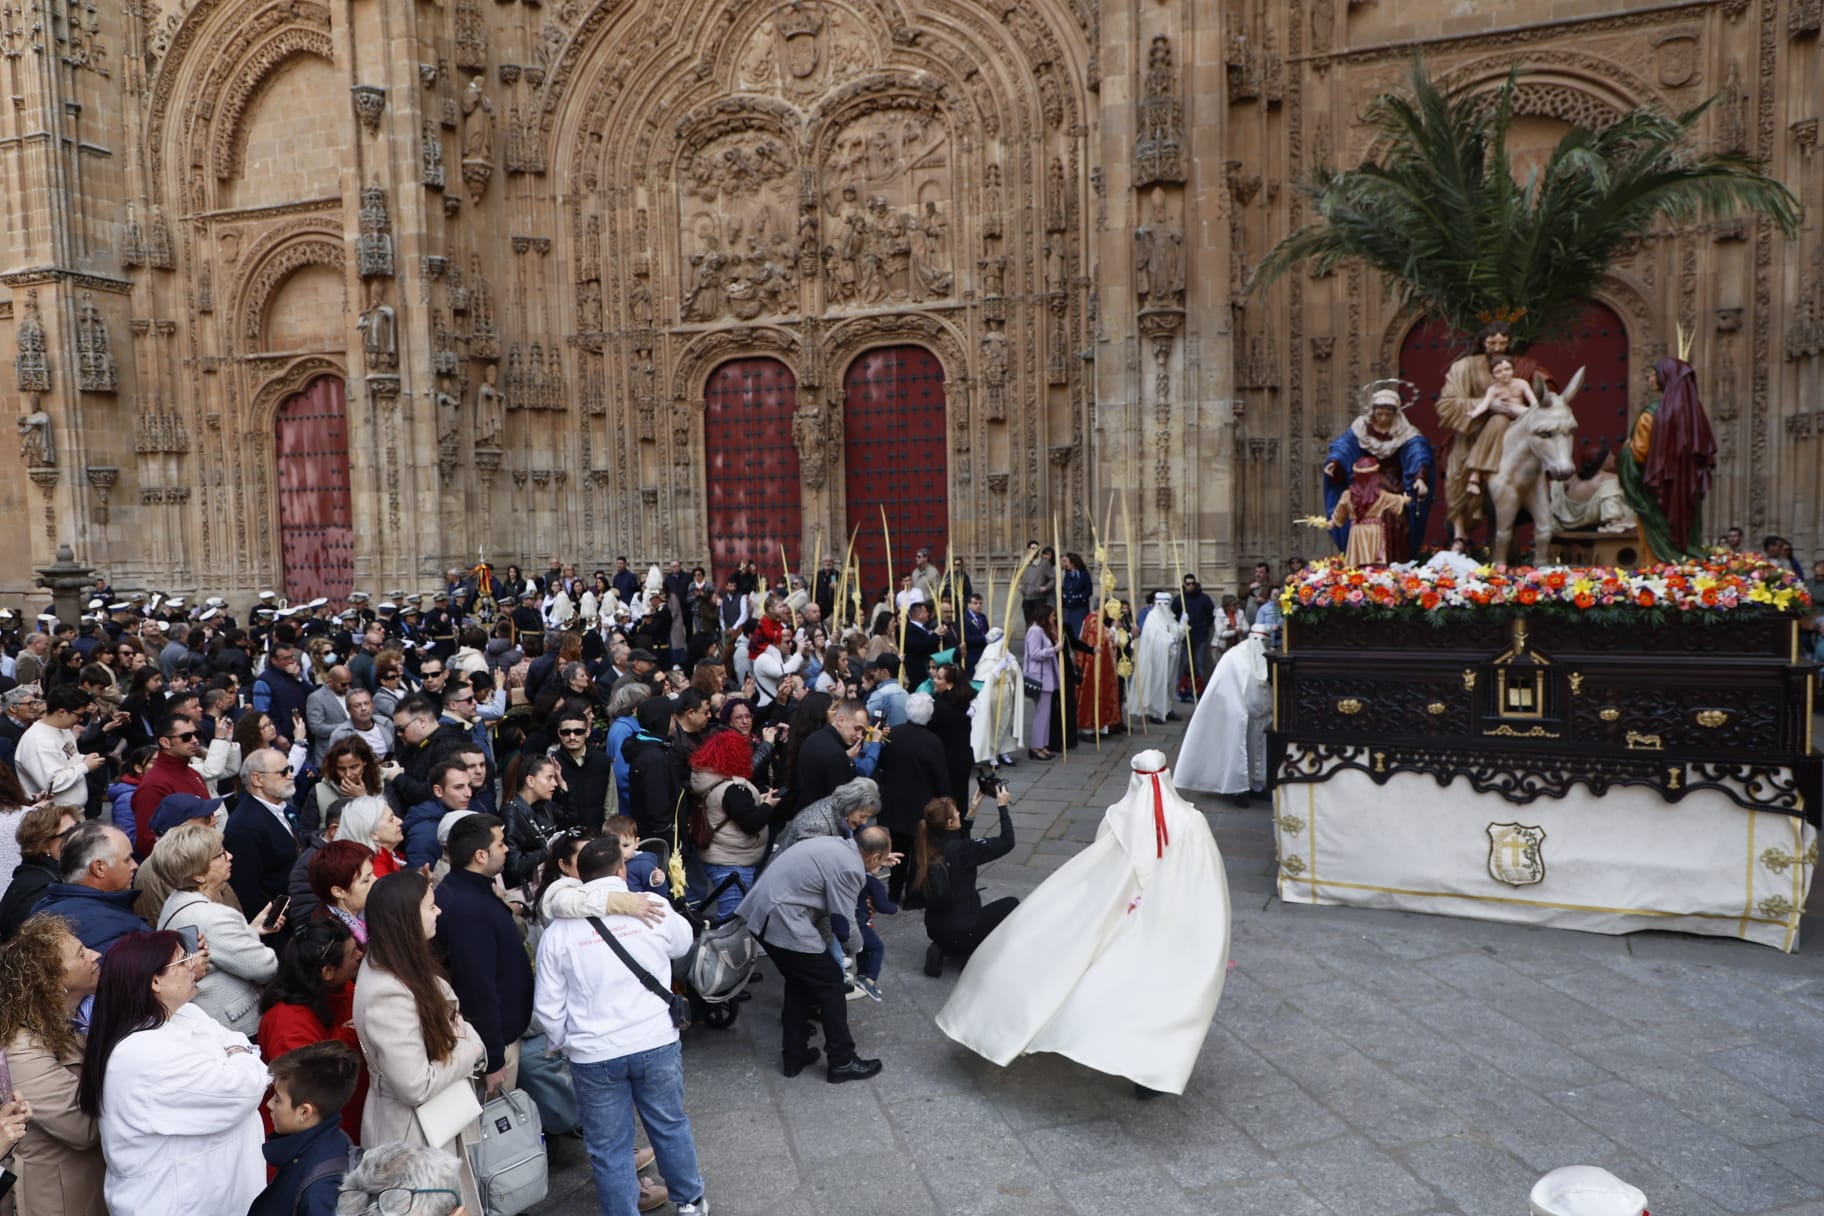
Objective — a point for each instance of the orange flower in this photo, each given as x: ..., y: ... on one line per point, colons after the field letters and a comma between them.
x: 1357, y: 578
x: 1645, y: 598
x: 1527, y: 595
x: 1305, y: 593
x: 1585, y: 600
x: 1429, y: 600
x: 1555, y: 580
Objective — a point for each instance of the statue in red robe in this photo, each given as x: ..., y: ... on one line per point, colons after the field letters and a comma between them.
x: 1099, y: 695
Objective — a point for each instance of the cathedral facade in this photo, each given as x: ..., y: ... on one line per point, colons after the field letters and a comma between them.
x: 313, y: 296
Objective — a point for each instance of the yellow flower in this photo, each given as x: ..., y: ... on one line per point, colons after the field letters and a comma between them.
x: 1759, y: 594
x: 1783, y: 598
x: 1583, y: 586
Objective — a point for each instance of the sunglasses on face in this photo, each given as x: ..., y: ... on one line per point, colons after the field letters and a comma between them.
x: 571, y: 733
x: 189, y: 734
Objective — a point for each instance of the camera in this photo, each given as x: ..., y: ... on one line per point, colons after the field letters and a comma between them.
x: 987, y: 782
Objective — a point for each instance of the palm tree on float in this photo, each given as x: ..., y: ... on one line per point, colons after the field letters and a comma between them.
x: 1443, y: 217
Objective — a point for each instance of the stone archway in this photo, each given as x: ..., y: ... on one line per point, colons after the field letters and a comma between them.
x: 895, y: 457
x: 316, y: 511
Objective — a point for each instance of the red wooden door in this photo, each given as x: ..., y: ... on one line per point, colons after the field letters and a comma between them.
x: 316, y: 515
x: 1596, y: 341
x: 751, y: 466
x: 895, y: 455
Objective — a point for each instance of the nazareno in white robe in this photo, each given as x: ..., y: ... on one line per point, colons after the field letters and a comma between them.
x: 1161, y: 651
x: 1224, y: 750
x: 997, y: 716
x: 1117, y: 961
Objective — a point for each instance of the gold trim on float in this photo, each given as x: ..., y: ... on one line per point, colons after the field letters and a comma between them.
x: 1748, y: 902
x: 1537, y: 732
x: 1798, y: 887
x: 1314, y: 882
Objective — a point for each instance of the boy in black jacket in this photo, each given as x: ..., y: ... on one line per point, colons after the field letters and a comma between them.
x: 308, y: 1147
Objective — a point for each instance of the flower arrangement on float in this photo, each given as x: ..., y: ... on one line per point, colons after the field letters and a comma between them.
x: 1725, y: 585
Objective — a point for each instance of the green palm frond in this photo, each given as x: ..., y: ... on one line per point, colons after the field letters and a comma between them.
x: 1443, y: 217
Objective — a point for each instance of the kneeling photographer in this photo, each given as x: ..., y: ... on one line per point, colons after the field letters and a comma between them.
x: 956, y: 920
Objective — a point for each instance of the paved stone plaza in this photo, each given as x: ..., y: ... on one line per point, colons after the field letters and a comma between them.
x: 1361, y: 1064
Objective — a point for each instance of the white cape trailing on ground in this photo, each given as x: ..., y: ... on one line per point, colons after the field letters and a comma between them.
x: 1118, y: 959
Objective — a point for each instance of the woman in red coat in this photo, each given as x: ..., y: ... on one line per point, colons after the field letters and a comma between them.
x: 312, y: 999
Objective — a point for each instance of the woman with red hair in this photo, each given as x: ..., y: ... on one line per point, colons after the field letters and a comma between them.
x: 735, y: 814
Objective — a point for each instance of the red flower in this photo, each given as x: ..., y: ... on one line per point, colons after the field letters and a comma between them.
x: 1584, y: 600
x: 1429, y: 600
x: 1645, y: 598
x: 1555, y: 580
x: 1527, y: 595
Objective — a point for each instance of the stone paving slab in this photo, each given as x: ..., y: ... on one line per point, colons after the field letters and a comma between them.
x: 1362, y: 1063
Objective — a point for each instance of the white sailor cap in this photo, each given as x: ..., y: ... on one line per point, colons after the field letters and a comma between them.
x: 176, y: 601
x: 317, y: 603
x: 6, y: 614
x: 269, y: 595
x: 288, y: 613
x: 395, y: 596
x: 215, y: 601
x: 357, y: 597
x: 208, y: 614
x: 347, y: 614
x: 1585, y: 1190
x: 47, y: 618
x: 96, y: 603
x: 386, y: 606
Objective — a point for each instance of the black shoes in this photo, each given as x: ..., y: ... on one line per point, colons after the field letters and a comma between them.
x: 934, y: 960
x: 811, y: 1056
x: 856, y: 1069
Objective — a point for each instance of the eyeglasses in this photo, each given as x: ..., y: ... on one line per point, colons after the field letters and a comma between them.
x: 189, y: 734
x: 287, y: 771
x: 571, y: 733
x: 460, y: 700
x: 398, y: 1200
x: 428, y: 672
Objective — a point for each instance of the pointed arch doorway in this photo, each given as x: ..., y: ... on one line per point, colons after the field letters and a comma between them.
x: 316, y: 512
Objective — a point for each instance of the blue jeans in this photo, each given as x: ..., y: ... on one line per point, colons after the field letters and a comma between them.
x: 609, y: 1092
x: 729, y: 900
x: 873, y: 951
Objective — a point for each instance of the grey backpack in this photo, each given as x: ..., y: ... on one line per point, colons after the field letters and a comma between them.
x: 723, y: 961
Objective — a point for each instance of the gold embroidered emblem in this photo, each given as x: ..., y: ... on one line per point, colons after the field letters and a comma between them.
x: 1515, y: 854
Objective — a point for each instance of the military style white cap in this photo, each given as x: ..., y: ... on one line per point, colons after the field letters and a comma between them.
x: 357, y: 597
x: 176, y: 601
x: 319, y: 602
x: 216, y: 601
x: 96, y: 603
x: 269, y: 595
x: 208, y: 615
x: 1586, y: 1190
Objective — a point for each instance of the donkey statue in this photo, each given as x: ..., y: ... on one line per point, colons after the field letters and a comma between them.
x: 1536, y: 451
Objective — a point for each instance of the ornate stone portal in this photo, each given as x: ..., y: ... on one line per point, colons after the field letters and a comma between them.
x: 539, y: 230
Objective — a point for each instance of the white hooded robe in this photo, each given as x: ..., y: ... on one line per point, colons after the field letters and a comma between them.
x: 1161, y: 651
x: 1225, y: 749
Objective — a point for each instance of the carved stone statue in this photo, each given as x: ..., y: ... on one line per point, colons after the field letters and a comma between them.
x: 33, y: 363
x: 449, y: 428
x: 813, y: 459
x: 639, y: 303
x: 703, y: 299
x: 1159, y: 259
x: 490, y: 410
x: 95, y: 369
x: 478, y: 124
x: 35, y: 443
x: 931, y: 258
x: 379, y: 341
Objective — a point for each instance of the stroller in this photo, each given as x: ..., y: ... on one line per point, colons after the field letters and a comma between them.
x: 721, y: 960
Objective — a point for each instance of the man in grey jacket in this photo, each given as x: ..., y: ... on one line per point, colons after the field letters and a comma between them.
x: 789, y: 910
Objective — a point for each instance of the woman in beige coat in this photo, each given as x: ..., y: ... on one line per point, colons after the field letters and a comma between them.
x: 45, y: 973
x: 416, y: 1042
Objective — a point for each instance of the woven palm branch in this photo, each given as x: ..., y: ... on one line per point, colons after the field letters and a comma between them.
x: 1443, y: 217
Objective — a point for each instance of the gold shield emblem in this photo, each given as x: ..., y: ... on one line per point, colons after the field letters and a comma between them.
x: 1516, y: 854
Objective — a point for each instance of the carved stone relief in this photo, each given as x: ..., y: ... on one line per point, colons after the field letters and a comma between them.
x: 32, y: 364
x: 95, y: 369
x: 884, y: 177
x: 737, y: 195
x: 802, y: 51
x: 374, y: 247
x: 1159, y: 145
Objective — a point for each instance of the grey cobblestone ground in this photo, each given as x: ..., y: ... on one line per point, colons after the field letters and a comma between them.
x: 1361, y: 1064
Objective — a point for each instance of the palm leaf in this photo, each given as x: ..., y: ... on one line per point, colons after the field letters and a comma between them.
x: 1443, y: 218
